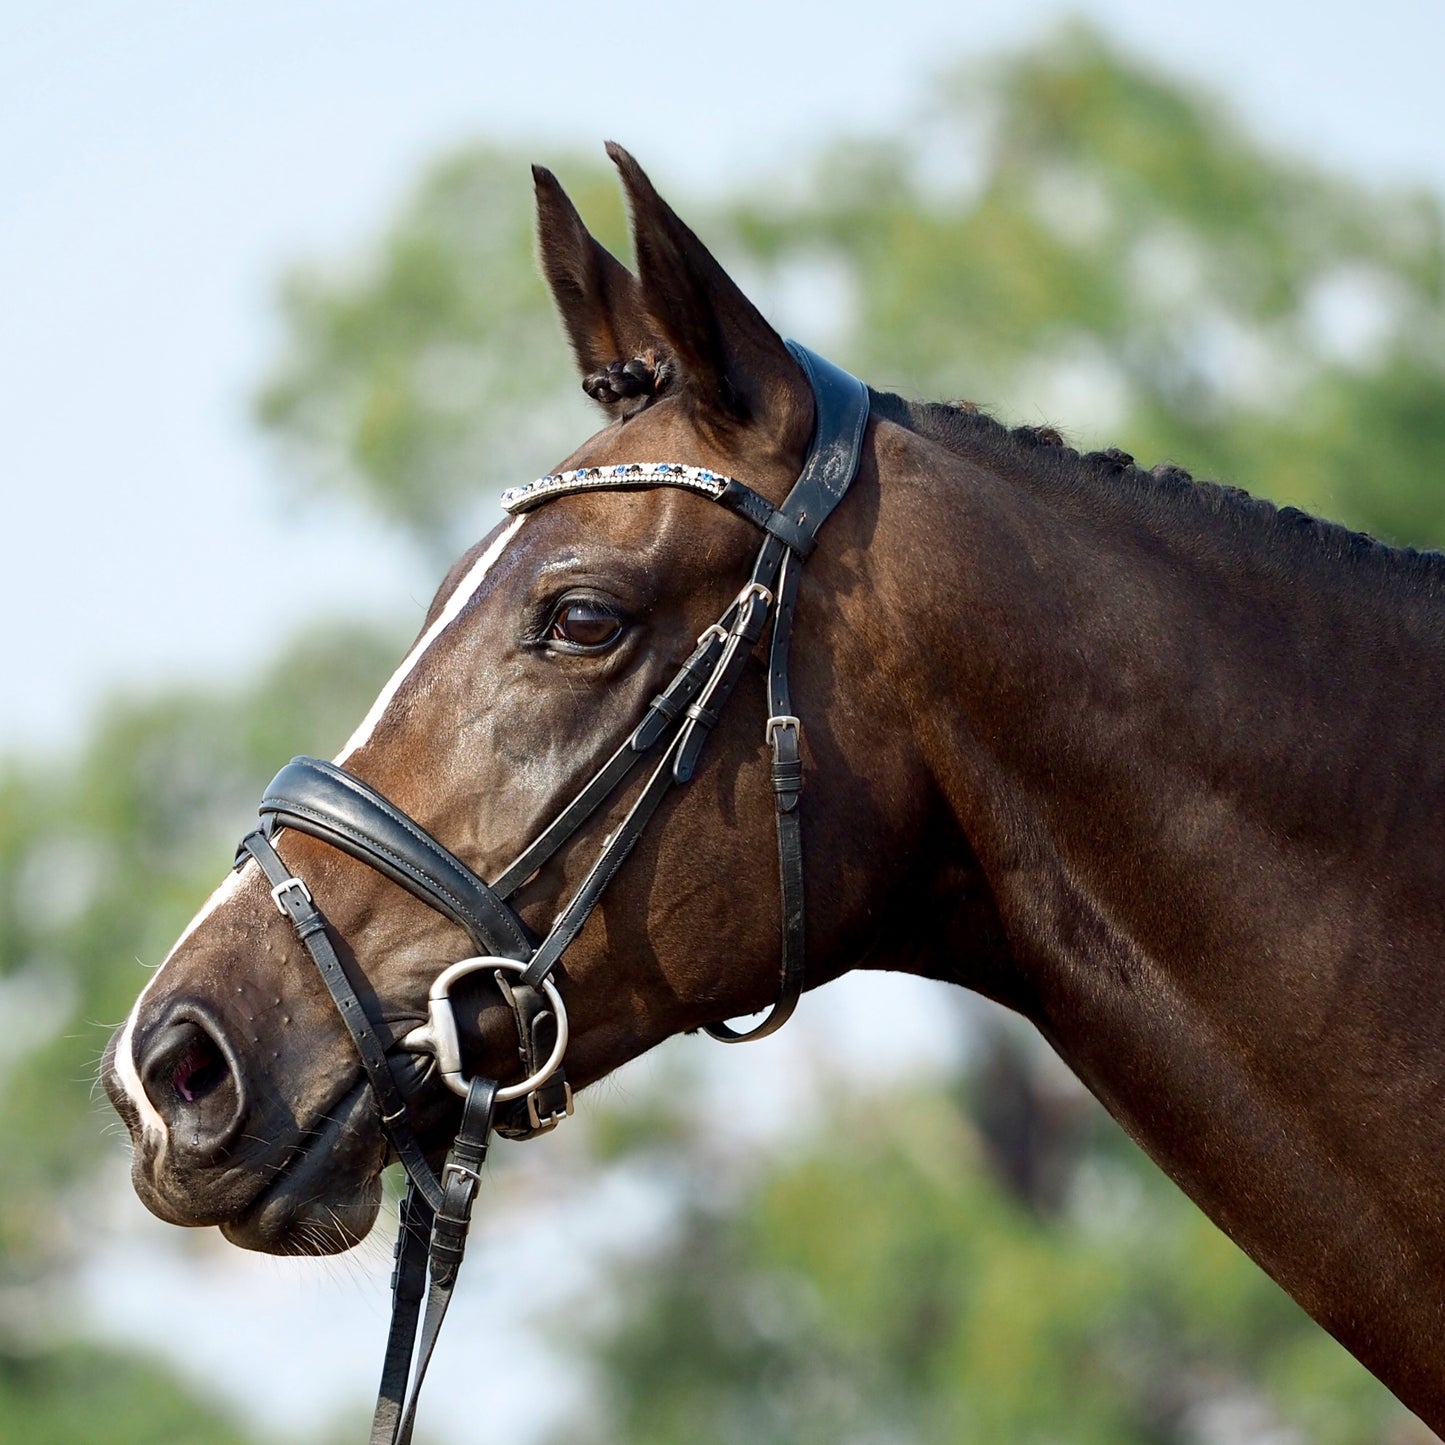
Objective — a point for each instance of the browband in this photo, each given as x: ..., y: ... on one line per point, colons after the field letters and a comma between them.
x: 841, y: 405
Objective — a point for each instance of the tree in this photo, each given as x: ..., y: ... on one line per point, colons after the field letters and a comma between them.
x: 425, y: 384
x: 102, y: 860
x: 1117, y: 258
x: 886, y: 1283
x: 1064, y: 236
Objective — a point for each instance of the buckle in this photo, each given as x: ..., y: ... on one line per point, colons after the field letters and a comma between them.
x: 717, y: 631
x: 754, y: 589
x: 783, y: 720
x: 284, y: 886
x: 545, y: 1126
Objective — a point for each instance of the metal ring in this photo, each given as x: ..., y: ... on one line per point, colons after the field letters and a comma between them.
x: 440, y: 992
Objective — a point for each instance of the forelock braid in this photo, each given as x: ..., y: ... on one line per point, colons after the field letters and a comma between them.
x: 626, y: 380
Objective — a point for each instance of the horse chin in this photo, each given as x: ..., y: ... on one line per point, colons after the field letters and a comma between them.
x: 326, y: 1197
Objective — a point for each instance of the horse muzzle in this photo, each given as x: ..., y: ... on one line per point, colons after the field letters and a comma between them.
x: 212, y: 1147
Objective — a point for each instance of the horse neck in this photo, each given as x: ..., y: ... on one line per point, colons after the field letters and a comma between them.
x: 1170, y: 694
x: 1191, y: 757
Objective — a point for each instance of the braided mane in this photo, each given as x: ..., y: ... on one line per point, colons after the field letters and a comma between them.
x: 1038, y: 454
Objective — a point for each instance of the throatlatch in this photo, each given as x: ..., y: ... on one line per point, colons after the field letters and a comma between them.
x: 320, y: 799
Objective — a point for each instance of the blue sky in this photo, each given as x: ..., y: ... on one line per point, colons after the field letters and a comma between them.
x: 162, y: 163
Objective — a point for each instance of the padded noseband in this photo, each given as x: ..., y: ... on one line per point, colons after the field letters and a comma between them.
x: 318, y: 798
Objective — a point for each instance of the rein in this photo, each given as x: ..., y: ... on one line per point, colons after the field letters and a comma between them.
x: 320, y: 799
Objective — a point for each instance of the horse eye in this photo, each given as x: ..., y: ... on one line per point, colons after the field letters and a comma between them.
x: 584, y: 624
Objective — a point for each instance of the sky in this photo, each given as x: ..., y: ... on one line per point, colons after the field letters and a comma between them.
x: 161, y: 164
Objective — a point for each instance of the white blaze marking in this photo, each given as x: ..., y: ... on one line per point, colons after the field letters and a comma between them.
x: 454, y: 604
x: 125, y: 1065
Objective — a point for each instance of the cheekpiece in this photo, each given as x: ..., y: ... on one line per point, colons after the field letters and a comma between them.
x: 625, y: 474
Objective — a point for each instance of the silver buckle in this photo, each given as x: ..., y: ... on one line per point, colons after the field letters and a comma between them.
x: 783, y: 720
x: 545, y: 1126
x: 282, y: 887
x: 754, y: 589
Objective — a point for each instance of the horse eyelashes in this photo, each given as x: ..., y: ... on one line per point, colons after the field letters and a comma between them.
x: 583, y: 623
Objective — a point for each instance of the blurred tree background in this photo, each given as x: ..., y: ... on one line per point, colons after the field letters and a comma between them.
x: 1062, y: 237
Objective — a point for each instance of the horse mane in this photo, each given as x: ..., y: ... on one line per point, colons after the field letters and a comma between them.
x: 1038, y: 454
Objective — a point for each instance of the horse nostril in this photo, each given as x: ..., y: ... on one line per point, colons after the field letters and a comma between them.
x: 200, y: 1069
x: 190, y: 1077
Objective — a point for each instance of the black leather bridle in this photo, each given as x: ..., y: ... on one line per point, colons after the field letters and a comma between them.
x: 318, y: 798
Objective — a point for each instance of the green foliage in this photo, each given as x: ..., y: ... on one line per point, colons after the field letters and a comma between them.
x: 1063, y: 236
x: 434, y: 377
x: 892, y: 1290
x: 102, y: 861
x: 77, y: 1396
x: 1121, y: 260
x: 1067, y: 237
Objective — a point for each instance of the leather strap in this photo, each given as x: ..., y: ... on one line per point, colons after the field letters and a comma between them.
x: 783, y: 733
x: 547, y: 1105
x: 318, y: 798
x: 702, y: 716
x: 614, y: 854
x: 293, y: 898
x: 664, y: 710
x: 435, y: 1214
x: 408, y: 1289
x: 325, y: 802
x: 840, y: 403
x: 841, y: 417
x: 461, y: 1175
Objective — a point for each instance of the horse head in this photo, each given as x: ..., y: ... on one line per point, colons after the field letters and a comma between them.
x: 246, y: 1099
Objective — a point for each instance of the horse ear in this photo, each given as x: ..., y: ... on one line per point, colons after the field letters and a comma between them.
x: 596, y: 296
x: 732, y: 362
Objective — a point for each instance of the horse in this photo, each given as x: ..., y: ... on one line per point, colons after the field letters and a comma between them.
x: 1149, y: 762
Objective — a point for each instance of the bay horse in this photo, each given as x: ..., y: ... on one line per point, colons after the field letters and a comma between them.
x: 1152, y: 763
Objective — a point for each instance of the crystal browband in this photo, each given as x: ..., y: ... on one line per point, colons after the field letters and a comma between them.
x: 627, y: 474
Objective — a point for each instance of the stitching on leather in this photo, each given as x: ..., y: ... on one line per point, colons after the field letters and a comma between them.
x: 406, y: 865
x: 754, y: 506
x: 446, y: 858
x: 412, y: 870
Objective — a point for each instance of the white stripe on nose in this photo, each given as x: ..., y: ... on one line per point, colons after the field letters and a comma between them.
x: 465, y: 590
x: 152, y: 1124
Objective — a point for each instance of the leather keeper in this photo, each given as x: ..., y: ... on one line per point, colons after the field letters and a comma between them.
x: 790, y: 534
x: 788, y: 776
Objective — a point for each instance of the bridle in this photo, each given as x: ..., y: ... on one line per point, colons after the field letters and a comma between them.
x: 320, y: 799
